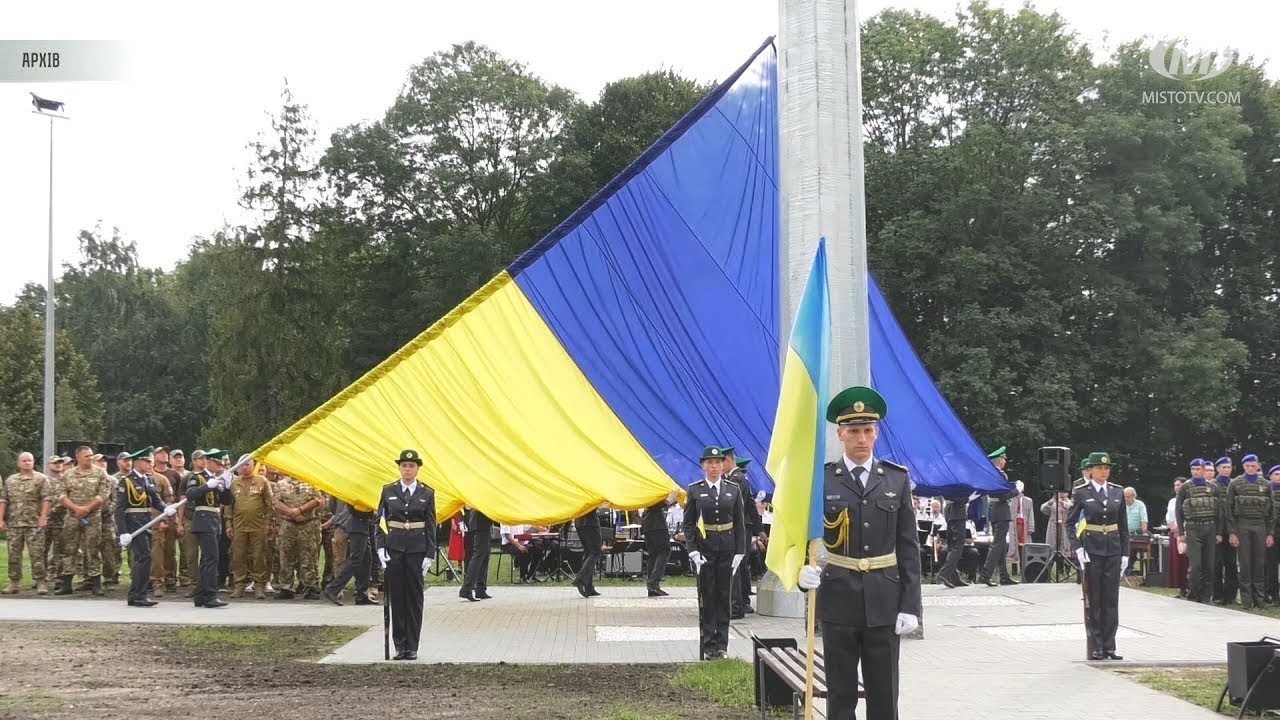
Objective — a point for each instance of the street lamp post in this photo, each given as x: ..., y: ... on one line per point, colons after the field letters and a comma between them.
x: 49, y: 108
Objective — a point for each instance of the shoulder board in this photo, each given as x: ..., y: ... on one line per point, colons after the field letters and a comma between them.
x: 831, y: 464
x: 1114, y: 485
x: 893, y: 465
x: 698, y: 482
x: 732, y: 482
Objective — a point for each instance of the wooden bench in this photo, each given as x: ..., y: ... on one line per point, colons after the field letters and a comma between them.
x: 788, y: 664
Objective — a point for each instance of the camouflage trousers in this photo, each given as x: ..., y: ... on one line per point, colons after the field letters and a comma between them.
x: 299, y: 551
x: 81, y: 535
x: 109, y: 549
x: 273, y: 557
x: 33, y: 540
x: 53, y: 545
x: 189, y: 559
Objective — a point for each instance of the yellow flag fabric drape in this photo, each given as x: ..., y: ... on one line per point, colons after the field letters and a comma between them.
x: 504, y: 419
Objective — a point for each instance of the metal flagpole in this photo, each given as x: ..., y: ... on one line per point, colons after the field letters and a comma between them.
x: 48, y: 323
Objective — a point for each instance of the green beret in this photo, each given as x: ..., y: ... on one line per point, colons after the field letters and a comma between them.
x: 711, y: 452
x: 410, y: 456
x: 858, y: 405
x: 998, y: 452
x: 1097, y: 458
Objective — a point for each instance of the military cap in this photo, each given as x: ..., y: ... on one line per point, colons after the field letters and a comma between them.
x: 145, y: 452
x: 727, y: 450
x: 711, y: 452
x: 1224, y: 460
x: 55, y: 460
x: 197, y: 454
x: 1249, y: 458
x: 998, y: 452
x: 858, y: 405
x: 67, y: 460
x: 1097, y: 458
x: 410, y: 456
x: 161, y: 449
x: 177, y: 452
x: 97, y: 456
x: 1084, y: 463
x: 1273, y: 469
x: 123, y: 456
x: 216, y: 454
x: 742, y: 462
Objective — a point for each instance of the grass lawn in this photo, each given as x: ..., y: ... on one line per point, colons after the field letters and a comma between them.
x: 1271, y: 611
x: 1198, y: 686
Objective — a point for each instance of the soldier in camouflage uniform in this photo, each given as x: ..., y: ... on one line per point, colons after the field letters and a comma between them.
x: 325, y: 516
x: 296, y: 502
x: 83, y: 495
x: 160, y: 534
x: 57, y: 514
x: 273, y: 535
x: 1250, y: 516
x: 25, y: 500
x: 108, y: 546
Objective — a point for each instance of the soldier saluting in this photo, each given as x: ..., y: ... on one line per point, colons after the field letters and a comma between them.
x: 718, y: 503
x: 869, y: 588
x: 406, y: 548
x: 136, y: 495
x: 1103, y: 550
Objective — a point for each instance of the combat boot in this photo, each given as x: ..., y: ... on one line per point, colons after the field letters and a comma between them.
x: 237, y: 593
x: 64, y: 586
x: 259, y: 592
x: 96, y: 587
x: 42, y: 588
x: 312, y: 594
x: 11, y: 588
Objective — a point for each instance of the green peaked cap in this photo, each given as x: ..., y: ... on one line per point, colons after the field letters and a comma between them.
x: 857, y: 405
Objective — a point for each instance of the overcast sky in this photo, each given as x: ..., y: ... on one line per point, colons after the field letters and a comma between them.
x: 161, y: 156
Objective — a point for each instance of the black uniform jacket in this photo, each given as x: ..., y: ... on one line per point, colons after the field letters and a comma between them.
x: 1106, y: 520
x: 201, y: 496
x: 703, y: 504
x: 396, y: 506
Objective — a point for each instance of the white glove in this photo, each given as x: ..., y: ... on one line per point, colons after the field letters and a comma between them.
x: 1082, y: 556
x: 975, y: 496
x: 906, y: 624
x: 1124, y: 564
x: 737, y: 560
x: 462, y: 528
x: 810, y: 577
x: 214, y: 483
x: 125, y: 539
x: 384, y: 557
x: 426, y: 563
x: 170, y: 510
x: 698, y: 561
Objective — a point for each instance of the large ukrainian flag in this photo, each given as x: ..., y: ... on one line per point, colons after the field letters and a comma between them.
x: 797, y: 450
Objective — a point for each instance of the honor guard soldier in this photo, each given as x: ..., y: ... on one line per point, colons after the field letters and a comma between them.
x: 999, y: 518
x: 1250, y: 517
x: 206, y: 501
x: 1202, y: 522
x: 136, y: 496
x: 956, y: 513
x: 405, y: 549
x: 718, y: 503
x: 1103, y: 550
x: 735, y: 470
x: 869, y: 588
x: 1226, y: 572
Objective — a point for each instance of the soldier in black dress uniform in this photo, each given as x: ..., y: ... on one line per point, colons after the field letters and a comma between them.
x: 136, y: 496
x: 358, y: 524
x: 956, y: 514
x: 206, y: 501
x: 736, y: 470
x: 588, y: 527
x: 1000, y: 517
x: 406, y: 549
x: 475, y: 586
x: 869, y: 589
x: 715, y: 556
x: 1103, y: 550
x: 657, y: 543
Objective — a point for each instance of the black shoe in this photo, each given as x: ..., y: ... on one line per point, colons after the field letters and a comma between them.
x: 989, y: 582
x: 364, y: 600
x: 410, y: 655
x: 468, y: 595
x: 749, y: 610
x: 1097, y: 655
x: 399, y: 655
x: 312, y: 594
x: 594, y: 592
x: 331, y: 597
x: 96, y: 587
x: 656, y: 593
x: 946, y: 582
x: 1113, y: 655
x: 284, y: 594
x: 215, y: 604
x: 582, y: 589
x: 1008, y: 581
x: 145, y: 602
x: 64, y: 586
x: 482, y: 595
x: 737, y: 616
x: 662, y: 592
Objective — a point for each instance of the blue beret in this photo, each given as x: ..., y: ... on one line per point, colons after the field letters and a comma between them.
x: 1197, y: 463
x: 1224, y: 460
x: 1249, y: 458
x: 1273, y: 469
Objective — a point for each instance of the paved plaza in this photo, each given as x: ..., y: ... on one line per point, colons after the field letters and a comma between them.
x: 985, y: 648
